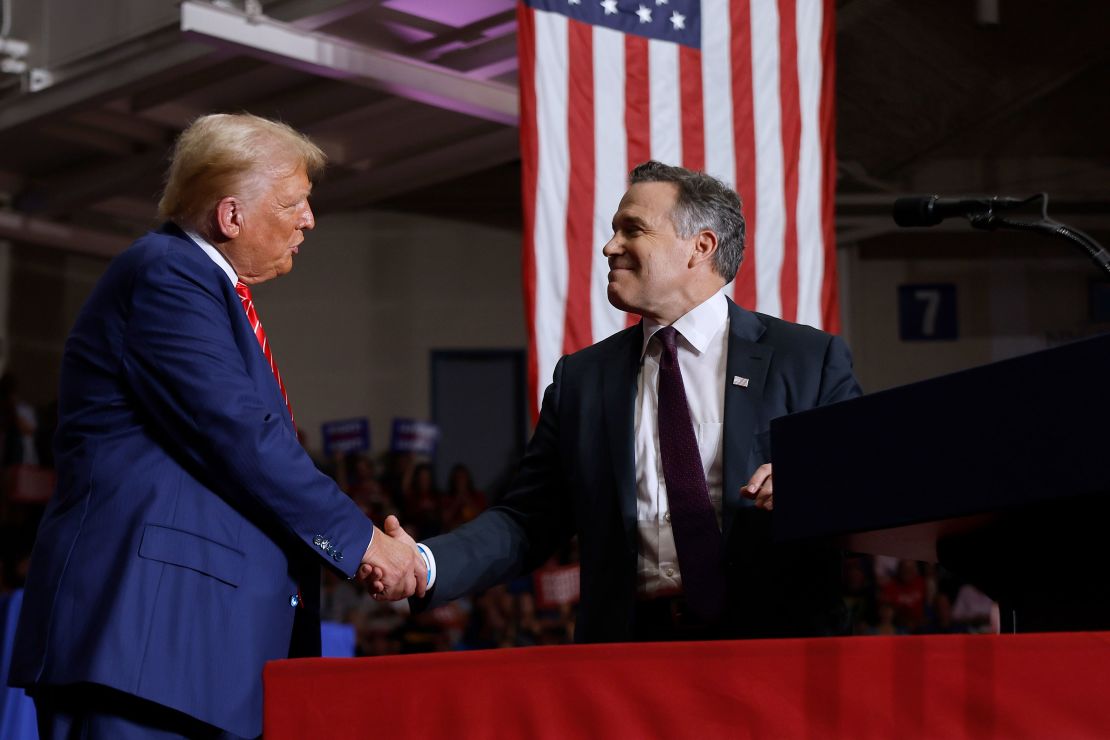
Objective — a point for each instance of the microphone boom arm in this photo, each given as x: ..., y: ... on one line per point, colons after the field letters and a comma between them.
x: 990, y: 218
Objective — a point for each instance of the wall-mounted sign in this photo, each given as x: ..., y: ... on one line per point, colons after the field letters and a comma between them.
x: 927, y: 312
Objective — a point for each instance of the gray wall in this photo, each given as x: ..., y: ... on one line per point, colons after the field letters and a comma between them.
x: 1015, y: 294
x: 371, y: 295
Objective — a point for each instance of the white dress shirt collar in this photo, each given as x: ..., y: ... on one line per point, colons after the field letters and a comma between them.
x: 697, y: 326
x: 214, y: 254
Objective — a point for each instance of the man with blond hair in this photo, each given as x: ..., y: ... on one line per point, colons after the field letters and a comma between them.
x: 182, y: 547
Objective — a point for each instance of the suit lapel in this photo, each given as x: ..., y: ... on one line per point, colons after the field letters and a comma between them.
x: 257, y: 365
x: 745, y: 377
x: 619, y: 377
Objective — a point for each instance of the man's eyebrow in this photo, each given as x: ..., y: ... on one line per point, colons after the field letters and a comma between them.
x: 627, y: 220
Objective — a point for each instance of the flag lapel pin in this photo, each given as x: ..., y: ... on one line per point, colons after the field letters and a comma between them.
x: 740, y: 381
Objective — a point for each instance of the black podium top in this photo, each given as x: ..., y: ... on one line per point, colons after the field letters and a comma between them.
x: 894, y: 471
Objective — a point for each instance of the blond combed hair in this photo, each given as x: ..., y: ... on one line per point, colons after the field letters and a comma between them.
x: 231, y: 154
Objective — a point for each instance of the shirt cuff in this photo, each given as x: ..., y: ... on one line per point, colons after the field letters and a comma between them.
x: 429, y: 563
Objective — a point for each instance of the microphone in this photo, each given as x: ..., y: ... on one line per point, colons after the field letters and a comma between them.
x: 930, y: 210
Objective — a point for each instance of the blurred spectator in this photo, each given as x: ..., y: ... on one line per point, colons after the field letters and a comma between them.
x: 356, y: 475
x: 17, y: 426
x: 906, y: 593
x: 973, y: 609
x: 490, y: 620
x: 859, y: 594
x: 886, y: 624
x: 422, y: 503
x: 462, y: 502
x: 886, y: 568
x: 339, y: 598
x: 397, y: 476
x: 378, y: 626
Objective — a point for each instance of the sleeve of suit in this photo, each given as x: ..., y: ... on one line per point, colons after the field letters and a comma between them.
x: 520, y: 531
x: 182, y: 362
x: 838, y: 383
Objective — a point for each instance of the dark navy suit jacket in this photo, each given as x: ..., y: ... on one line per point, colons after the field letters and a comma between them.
x: 186, y: 516
x: 578, y: 477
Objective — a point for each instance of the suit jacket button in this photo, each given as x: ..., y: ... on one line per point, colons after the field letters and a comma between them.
x: 338, y: 555
x: 317, y: 540
x: 294, y: 600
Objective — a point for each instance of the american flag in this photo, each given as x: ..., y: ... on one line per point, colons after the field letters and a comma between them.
x: 742, y: 89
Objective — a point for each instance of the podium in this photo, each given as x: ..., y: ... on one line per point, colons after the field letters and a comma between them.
x: 1001, y: 473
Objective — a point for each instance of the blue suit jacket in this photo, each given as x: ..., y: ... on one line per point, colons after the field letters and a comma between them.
x: 186, y: 515
x: 578, y: 477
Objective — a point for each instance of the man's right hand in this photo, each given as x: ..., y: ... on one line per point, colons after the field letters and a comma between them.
x: 392, y: 567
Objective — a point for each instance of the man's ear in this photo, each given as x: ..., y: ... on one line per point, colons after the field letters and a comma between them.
x: 705, y: 247
x: 229, y: 216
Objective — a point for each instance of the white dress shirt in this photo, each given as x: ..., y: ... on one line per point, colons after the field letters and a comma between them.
x: 214, y: 254
x: 702, y: 356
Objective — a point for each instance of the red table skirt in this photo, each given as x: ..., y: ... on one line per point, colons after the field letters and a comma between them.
x: 951, y: 686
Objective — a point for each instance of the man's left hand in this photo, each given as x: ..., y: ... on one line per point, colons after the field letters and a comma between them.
x: 759, y: 488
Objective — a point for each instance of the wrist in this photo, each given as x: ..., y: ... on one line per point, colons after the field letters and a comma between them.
x: 429, y: 563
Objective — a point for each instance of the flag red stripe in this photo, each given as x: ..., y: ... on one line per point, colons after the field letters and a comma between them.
x: 578, y: 330
x: 693, y: 117
x: 829, y: 300
x: 637, y: 100
x: 637, y: 109
x: 743, y: 127
x: 730, y: 56
x: 529, y: 149
x: 791, y: 149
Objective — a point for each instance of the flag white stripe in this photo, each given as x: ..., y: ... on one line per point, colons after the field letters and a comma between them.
x: 811, y: 246
x: 769, y: 182
x: 551, y: 197
x: 666, y: 122
x: 767, y: 208
x: 716, y: 76
x: 716, y: 85
x: 610, y: 162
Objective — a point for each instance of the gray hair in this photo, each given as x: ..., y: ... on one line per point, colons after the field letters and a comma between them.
x: 703, y: 202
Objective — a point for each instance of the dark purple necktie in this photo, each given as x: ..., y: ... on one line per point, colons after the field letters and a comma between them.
x: 693, y: 521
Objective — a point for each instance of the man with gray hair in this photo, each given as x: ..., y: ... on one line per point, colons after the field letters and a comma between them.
x: 653, y: 445
x: 183, y: 545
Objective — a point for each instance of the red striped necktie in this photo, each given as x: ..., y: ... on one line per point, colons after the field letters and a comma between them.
x: 256, y: 324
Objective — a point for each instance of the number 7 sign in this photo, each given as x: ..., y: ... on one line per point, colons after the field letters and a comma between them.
x: 927, y: 312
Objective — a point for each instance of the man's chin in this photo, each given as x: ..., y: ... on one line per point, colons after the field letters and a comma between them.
x: 615, y: 299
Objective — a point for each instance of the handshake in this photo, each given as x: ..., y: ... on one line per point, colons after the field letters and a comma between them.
x: 393, y: 567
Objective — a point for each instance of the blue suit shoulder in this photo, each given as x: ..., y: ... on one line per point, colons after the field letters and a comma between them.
x: 167, y: 243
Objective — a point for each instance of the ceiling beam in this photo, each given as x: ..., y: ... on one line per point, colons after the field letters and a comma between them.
x: 18, y: 227
x: 113, y: 73
x: 467, y: 35
x: 430, y: 167
x: 76, y: 188
x: 1007, y: 104
x: 329, y: 56
x: 318, y: 18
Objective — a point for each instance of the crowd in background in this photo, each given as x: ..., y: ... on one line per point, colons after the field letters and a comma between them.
x: 882, y: 595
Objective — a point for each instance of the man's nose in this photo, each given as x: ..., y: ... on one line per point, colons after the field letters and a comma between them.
x: 308, y: 220
x: 612, y: 247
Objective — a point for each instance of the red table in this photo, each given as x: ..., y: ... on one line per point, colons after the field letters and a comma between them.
x: 951, y: 686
